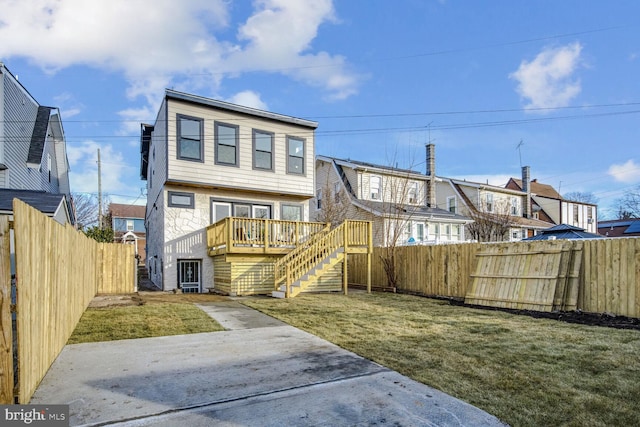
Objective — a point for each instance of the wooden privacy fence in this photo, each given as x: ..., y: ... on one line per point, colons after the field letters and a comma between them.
x: 58, y: 272
x: 540, y: 276
x: 607, y: 270
x: 437, y: 270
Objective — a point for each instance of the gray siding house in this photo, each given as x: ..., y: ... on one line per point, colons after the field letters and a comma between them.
x: 33, y: 156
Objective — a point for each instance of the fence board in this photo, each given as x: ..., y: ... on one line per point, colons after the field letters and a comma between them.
x: 6, y: 336
x: 58, y: 272
x: 600, y: 275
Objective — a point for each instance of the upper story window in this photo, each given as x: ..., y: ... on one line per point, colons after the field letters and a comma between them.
x: 451, y: 204
x: 295, y: 155
x: 49, y: 165
x: 413, y: 192
x: 226, y: 138
x: 190, y: 138
x: 262, y: 150
x: 589, y: 214
x: 489, y: 202
x: 514, y: 206
x: 375, y: 185
x: 130, y: 225
x: 575, y: 214
x: 319, y: 198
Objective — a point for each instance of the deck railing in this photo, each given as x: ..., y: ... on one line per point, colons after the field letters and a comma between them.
x: 355, y: 234
x: 234, y: 234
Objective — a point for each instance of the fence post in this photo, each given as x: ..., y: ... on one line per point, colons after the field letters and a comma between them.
x: 6, y: 340
x: 369, y: 253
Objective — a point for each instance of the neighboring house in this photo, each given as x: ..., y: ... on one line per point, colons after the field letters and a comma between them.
x: 548, y: 205
x: 396, y: 200
x: 33, y: 155
x: 205, y: 161
x: 564, y: 231
x: 492, y: 205
x: 55, y: 206
x: 127, y: 222
x: 620, y: 227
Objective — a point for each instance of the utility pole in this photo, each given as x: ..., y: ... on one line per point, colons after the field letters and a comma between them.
x: 99, y: 193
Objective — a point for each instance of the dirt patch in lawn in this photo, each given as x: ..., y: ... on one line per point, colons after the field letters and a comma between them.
x: 592, y: 319
x: 142, y: 298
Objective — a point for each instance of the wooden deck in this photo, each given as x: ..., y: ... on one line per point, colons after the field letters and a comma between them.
x: 233, y: 235
x: 256, y: 256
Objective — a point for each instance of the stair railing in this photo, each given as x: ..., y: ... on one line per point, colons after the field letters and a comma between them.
x: 301, y: 260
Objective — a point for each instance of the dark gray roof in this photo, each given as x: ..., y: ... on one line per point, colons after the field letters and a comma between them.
x: 39, y: 136
x: 214, y: 103
x: 373, y: 165
x: 46, y: 203
x: 564, y: 231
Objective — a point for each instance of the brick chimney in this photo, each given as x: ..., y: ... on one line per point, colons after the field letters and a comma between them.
x: 526, y: 187
x: 431, y: 173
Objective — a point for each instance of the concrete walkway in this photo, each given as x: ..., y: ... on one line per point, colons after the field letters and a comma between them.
x: 260, y: 372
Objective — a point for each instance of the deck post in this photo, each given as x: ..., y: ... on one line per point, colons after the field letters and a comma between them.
x: 230, y: 232
x: 265, y: 234
x: 369, y: 253
x: 345, y: 267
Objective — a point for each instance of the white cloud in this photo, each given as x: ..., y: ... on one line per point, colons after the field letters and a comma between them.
x: 250, y: 99
x: 83, y: 162
x: 628, y: 172
x: 175, y: 44
x: 548, y: 81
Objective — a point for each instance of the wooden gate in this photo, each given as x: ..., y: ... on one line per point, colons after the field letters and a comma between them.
x: 541, y: 276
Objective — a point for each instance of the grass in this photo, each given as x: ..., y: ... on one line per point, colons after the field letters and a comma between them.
x: 525, y: 371
x: 142, y: 321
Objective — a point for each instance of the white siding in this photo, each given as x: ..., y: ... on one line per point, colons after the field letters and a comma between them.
x: 243, y: 177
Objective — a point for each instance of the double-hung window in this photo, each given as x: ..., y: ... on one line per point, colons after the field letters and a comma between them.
x: 413, y: 192
x: 514, y: 206
x: 295, y: 155
x: 226, y: 137
x: 375, y: 184
x: 262, y: 150
x: 489, y: 202
x: 451, y: 204
x: 190, y: 138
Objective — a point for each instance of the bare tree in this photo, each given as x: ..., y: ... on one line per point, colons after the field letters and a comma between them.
x: 333, y: 204
x: 490, y: 226
x: 401, y: 197
x: 628, y: 206
x: 85, y: 207
x: 582, y: 197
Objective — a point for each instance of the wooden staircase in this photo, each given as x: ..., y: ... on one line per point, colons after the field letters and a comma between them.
x: 307, y: 263
x: 311, y: 276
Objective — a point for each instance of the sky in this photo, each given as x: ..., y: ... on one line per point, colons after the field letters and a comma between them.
x: 495, y: 85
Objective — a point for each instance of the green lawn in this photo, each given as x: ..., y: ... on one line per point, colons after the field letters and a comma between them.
x: 526, y: 371
x: 141, y: 321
